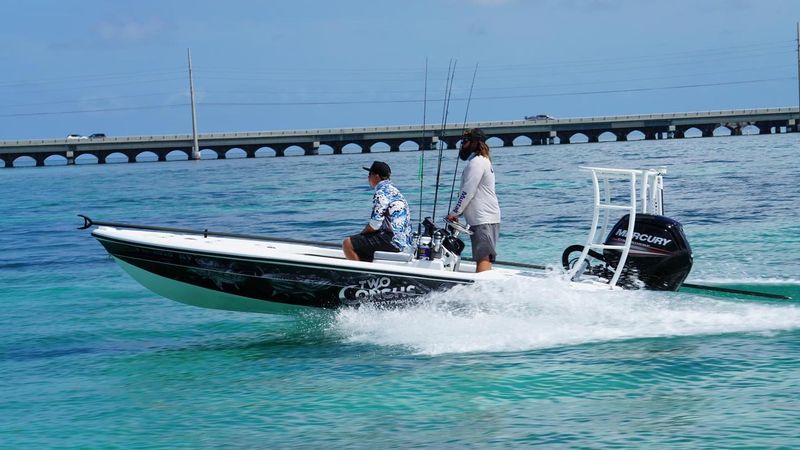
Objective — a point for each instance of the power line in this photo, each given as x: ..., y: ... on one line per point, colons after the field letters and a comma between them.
x: 499, y: 97
x: 85, y: 111
x: 398, y: 101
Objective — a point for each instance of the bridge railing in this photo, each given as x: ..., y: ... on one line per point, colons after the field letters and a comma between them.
x: 321, y: 132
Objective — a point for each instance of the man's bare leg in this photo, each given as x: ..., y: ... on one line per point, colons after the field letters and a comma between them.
x: 349, y: 253
x: 483, y: 265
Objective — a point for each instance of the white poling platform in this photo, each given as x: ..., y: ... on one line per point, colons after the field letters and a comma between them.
x: 649, y: 183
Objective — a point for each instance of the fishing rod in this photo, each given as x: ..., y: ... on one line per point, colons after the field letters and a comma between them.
x: 422, y: 146
x: 463, y: 129
x: 445, y: 112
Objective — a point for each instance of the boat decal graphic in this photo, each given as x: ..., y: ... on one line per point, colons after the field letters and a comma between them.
x: 378, y: 289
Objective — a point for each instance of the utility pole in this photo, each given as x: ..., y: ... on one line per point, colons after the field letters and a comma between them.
x: 195, y: 145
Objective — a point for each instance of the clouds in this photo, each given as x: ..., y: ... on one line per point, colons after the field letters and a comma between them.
x: 129, y: 30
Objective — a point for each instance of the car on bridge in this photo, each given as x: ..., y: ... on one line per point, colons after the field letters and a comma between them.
x: 72, y: 137
x: 97, y: 136
x: 539, y: 117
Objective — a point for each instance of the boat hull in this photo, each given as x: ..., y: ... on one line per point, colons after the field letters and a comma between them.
x: 267, y: 285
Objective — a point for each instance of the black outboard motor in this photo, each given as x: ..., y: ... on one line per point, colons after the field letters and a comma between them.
x: 659, y: 257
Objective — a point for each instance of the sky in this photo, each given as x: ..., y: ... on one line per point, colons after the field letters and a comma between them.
x: 120, y: 68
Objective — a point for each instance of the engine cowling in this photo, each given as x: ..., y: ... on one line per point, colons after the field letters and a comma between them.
x: 660, y: 255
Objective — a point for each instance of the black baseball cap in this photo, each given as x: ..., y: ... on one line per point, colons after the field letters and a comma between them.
x: 379, y: 167
x: 474, y: 134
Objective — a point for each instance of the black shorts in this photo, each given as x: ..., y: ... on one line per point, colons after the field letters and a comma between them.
x: 365, y: 245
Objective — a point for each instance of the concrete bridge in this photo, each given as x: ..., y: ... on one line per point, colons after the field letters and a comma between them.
x: 333, y: 141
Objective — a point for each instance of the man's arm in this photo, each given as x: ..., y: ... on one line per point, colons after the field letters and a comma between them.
x: 469, y: 185
x: 379, y: 206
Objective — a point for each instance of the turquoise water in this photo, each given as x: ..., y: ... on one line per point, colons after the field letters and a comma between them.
x: 89, y: 359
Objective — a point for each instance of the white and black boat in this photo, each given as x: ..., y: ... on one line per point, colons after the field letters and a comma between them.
x: 273, y: 275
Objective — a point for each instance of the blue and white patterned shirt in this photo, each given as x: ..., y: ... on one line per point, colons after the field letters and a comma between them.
x: 390, y: 212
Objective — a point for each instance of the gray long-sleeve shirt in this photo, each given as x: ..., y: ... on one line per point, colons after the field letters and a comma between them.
x: 477, y: 200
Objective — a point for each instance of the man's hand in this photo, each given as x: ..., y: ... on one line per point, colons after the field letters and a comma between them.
x: 452, y: 217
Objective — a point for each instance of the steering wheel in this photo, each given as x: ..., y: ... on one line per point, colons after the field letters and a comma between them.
x: 458, y: 227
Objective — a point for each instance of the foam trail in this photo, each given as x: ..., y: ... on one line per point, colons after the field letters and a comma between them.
x: 525, y: 314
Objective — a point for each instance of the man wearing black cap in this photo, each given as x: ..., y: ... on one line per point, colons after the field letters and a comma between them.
x: 477, y: 200
x: 389, y: 227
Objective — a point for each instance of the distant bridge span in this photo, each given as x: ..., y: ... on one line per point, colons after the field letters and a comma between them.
x: 540, y: 132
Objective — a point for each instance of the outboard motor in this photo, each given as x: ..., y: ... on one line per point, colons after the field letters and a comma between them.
x: 659, y: 257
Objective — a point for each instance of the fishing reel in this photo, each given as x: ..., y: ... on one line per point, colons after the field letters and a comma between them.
x: 440, y: 243
x: 452, y: 241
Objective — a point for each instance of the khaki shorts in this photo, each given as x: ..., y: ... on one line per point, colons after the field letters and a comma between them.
x: 484, y: 241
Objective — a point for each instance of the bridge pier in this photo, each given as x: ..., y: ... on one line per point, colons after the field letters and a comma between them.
x: 337, y: 147
x: 563, y: 138
x: 452, y: 142
x: 249, y: 151
x: 508, y: 140
x: 708, y: 131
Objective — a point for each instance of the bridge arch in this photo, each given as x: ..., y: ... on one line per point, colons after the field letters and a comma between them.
x: 635, y: 135
x: 55, y: 160
x: 494, y: 142
x: 751, y: 129
x: 578, y: 138
x: 722, y: 130
x: 208, y: 153
x: 145, y: 156
x: 23, y: 161
x: 235, y: 153
x: 325, y: 149
x: 177, y: 155
x: 87, y: 158
x: 380, y: 147
x: 351, y: 148
x: 265, y: 151
x: 606, y: 136
x: 408, y: 145
x: 113, y: 158
x: 522, y: 141
x: 294, y: 150
x: 692, y: 132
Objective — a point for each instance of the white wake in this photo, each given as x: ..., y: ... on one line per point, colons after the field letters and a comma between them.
x: 527, y: 314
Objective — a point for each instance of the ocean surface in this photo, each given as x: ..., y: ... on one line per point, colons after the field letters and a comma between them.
x: 90, y: 359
